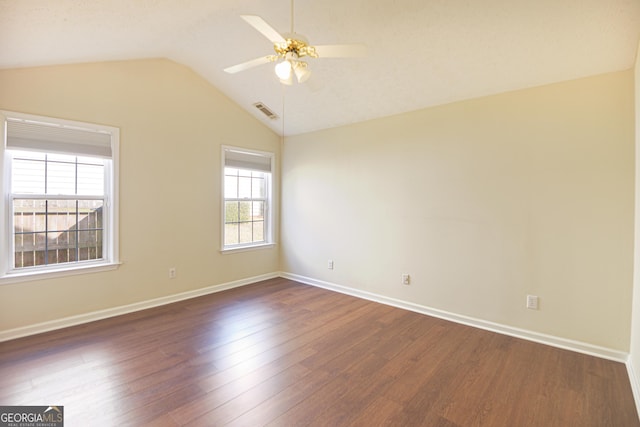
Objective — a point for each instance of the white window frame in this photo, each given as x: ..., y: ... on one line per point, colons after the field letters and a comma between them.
x: 110, y: 259
x: 269, y: 205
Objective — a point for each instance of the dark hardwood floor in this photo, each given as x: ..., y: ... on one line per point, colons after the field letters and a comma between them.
x: 280, y: 353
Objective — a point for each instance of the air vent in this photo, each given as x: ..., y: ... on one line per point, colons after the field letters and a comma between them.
x: 265, y: 110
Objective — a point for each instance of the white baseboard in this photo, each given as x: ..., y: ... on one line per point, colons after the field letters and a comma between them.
x: 635, y: 383
x: 577, y: 346
x: 124, y: 309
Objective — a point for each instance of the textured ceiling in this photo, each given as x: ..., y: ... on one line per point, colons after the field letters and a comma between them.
x: 420, y: 52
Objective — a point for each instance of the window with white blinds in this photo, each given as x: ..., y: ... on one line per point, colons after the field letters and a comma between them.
x: 60, y: 182
x: 247, y: 193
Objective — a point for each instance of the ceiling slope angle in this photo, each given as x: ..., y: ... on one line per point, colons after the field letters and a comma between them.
x: 419, y: 53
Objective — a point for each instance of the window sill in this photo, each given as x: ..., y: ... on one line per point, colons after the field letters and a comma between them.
x: 27, y: 276
x: 247, y: 248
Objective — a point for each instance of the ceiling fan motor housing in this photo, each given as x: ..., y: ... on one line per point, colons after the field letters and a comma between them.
x: 295, y: 44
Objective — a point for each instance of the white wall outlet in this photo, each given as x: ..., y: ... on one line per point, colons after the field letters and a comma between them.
x: 172, y: 273
x: 532, y: 302
x: 406, y: 279
x: 330, y: 264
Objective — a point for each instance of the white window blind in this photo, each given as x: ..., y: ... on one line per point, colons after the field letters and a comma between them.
x: 247, y: 160
x: 56, y: 138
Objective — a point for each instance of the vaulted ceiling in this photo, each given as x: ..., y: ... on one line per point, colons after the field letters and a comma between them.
x: 421, y: 53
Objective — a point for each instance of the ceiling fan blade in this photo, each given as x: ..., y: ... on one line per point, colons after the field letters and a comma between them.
x: 341, y: 50
x: 264, y: 28
x: 249, y: 64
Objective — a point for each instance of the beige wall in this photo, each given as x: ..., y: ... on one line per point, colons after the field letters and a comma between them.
x: 172, y: 124
x: 482, y: 202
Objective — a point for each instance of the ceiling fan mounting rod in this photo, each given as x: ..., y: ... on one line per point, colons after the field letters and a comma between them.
x: 292, y: 16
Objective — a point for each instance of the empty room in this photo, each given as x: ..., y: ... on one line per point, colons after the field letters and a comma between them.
x: 337, y: 213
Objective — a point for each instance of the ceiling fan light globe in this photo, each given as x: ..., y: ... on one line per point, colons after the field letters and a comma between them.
x: 283, y: 70
x: 288, y: 82
x: 302, y: 74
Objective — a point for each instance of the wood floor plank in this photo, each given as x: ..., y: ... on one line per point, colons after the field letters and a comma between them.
x: 279, y: 403
x: 227, y: 411
x: 281, y: 353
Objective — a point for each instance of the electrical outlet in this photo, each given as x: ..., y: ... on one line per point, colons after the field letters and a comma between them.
x: 406, y: 279
x: 330, y: 264
x: 532, y: 302
x: 172, y: 273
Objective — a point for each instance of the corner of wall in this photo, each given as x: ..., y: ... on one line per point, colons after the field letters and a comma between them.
x: 633, y: 363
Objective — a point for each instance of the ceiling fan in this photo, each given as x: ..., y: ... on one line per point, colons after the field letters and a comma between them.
x: 289, y: 49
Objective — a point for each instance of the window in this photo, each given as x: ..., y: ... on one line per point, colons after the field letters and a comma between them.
x: 60, y: 186
x: 247, y: 212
